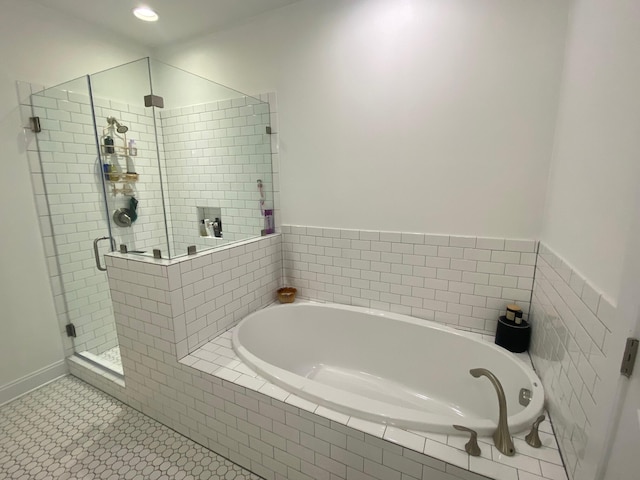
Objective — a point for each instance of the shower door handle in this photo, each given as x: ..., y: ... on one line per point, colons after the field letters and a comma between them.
x: 97, y: 254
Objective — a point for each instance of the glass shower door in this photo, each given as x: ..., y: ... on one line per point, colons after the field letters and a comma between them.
x: 129, y: 153
x: 75, y: 191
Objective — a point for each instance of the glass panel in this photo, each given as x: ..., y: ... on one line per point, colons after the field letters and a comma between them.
x: 75, y: 194
x: 216, y: 159
x: 129, y: 155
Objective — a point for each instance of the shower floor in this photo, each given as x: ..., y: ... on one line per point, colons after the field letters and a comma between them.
x: 113, y: 355
x: 109, y: 359
x: 69, y: 430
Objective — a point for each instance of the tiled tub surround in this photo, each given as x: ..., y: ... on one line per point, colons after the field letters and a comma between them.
x: 461, y: 281
x: 442, y: 453
x: 570, y: 347
x: 270, y: 432
x: 215, y: 153
x: 278, y: 435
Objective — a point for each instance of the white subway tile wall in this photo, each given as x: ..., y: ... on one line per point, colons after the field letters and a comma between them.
x: 42, y: 208
x: 201, y: 295
x: 74, y: 175
x: 73, y: 204
x: 218, y: 358
x: 462, y: 281
x: 235, y: 413
x: 572, y: 326
x: 71, y: 207
x: 72, y: 211
x: 220, y: 289
x: 215, y: 153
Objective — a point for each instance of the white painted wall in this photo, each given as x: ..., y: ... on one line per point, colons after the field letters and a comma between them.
x: 39, y: 46
x: 429, y: 116
x: 595, y: 168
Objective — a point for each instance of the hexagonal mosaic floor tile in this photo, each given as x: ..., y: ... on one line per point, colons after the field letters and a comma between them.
x: 69, y: 430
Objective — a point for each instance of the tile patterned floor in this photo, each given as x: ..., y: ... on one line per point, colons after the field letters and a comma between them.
x: 109, y: 359
x: 113, y: 355
x: 69, y: 430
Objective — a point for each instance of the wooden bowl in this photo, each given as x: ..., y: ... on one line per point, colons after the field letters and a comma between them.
x: 287, y: 294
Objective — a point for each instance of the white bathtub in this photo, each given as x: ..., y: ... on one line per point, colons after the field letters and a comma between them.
x: 386, y: 367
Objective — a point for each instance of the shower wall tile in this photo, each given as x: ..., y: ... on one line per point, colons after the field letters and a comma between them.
x: 221, y: 289
x: 462, y: 281
x: 72, y: 211
x: 214, y: 154
x: 200, y: 295
x: 71, y: 208
x: 572, y: 325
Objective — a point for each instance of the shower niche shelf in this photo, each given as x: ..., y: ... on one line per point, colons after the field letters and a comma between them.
x: 207, y: 216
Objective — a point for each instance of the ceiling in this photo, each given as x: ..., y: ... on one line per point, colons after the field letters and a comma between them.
x: 179, y: 19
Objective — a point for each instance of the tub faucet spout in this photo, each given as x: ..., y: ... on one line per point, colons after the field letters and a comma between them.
x: 502, y: 436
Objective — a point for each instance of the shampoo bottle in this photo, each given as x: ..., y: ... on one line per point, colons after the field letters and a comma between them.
x: 108, y: 145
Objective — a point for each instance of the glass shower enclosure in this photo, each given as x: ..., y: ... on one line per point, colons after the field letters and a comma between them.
x: 148, y: 159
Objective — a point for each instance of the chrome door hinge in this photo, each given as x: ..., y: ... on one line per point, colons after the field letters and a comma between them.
x: 629, y: 357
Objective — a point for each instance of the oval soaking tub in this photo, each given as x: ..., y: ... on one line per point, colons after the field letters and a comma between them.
x: 386, y: 367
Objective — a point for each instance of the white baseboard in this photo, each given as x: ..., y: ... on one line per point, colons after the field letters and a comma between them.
x: 21, y: 386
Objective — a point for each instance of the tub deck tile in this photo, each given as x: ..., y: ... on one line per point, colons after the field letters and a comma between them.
x: 301, y: 403
x: 404, y: 438
x: 492, y: 469
x: 274, y: 391
x: 451, y: 455
x: 332, y: 415
x: 218, y: 358
x: 372, y: 428
x: 249, y: 381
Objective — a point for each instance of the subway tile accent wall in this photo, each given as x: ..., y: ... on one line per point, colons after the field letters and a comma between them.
x: 570, y: 345
x: 462, y: 281
x: 215, y: 153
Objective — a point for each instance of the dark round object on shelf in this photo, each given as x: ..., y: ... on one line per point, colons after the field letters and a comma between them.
x: 513, y: 337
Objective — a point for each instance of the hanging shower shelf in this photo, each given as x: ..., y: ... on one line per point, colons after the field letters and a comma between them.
x: 119, y: 150
x: 116, y: 177
x: 126, y: 189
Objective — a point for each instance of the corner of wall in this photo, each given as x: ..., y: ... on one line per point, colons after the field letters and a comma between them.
x: 571, y: 348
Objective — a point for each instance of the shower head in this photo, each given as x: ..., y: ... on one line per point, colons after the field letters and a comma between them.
x: 119, y: 127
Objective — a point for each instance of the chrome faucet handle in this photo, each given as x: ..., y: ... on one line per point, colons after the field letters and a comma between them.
x: 533, y: 438
x: 471, y: 447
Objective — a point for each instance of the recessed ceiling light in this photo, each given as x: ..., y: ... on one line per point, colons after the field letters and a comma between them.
x: 146, y: 14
